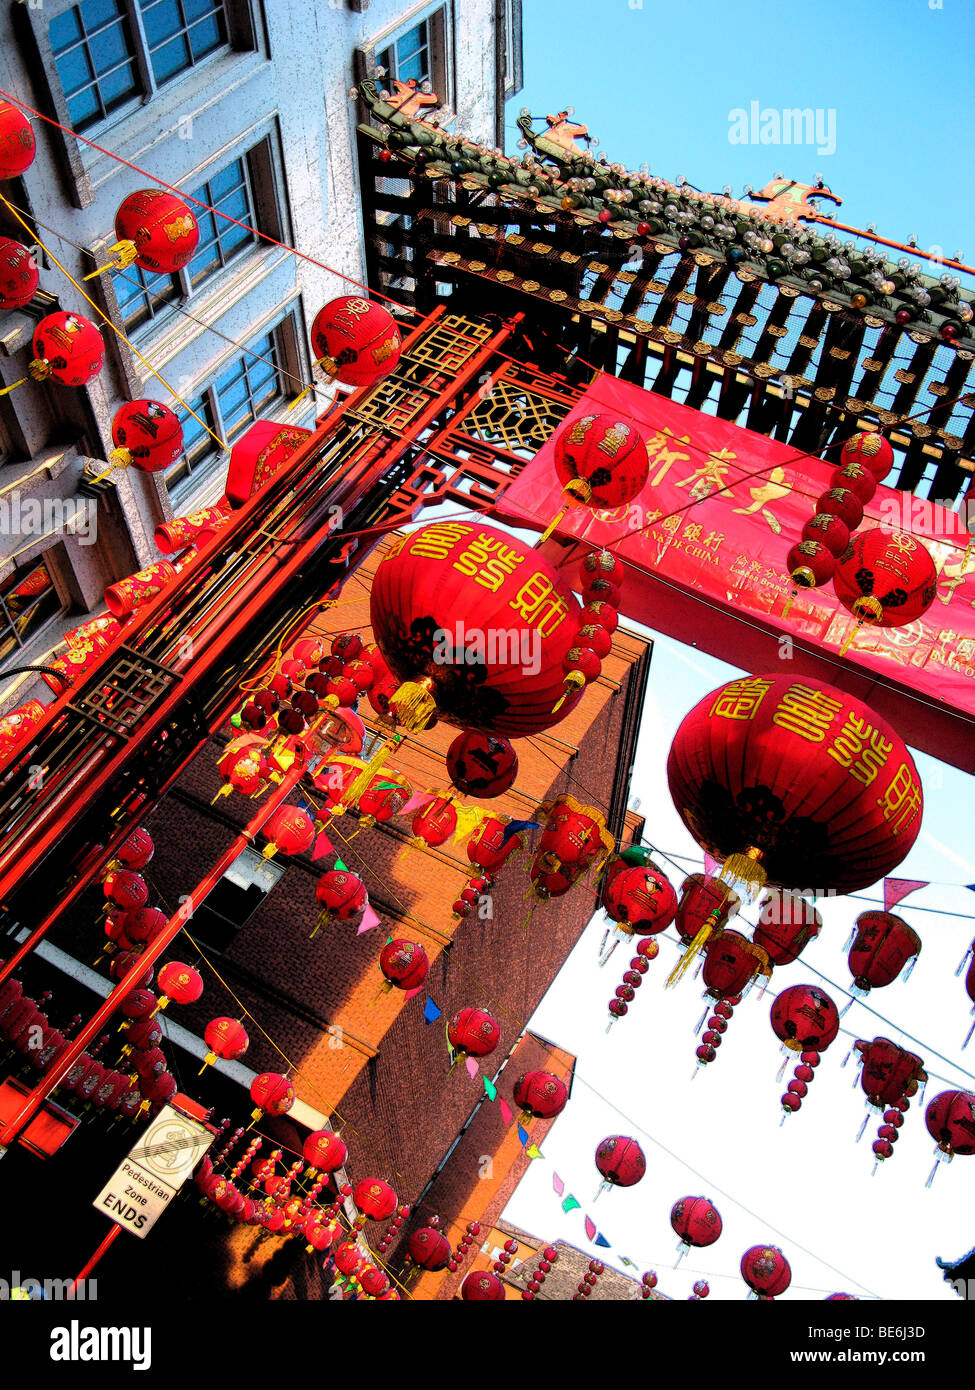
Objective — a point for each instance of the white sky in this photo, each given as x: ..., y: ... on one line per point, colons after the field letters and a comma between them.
x: 807, y: 1183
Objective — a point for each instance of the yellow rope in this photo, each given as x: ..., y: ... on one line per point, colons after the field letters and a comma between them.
x: 105, y: 319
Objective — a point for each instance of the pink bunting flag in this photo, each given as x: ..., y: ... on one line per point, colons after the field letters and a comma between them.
x: 897, y: 888
x: 712, y: 866
x: 370, y: 919
x: 558, y: 1184
x: 409, y: 993
x: 590, y: 1227
x: 473, y: 1070
x: 417, y: 800
x: 506, y: 1114
x: 323, y: 845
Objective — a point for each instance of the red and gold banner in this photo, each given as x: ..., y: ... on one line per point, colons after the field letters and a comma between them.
x: 194, y: 529
x: 713, y: 567
x: 137, y: 590
x: 258, y: 455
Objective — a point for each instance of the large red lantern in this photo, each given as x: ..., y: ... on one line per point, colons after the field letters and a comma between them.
x: 473, y: 1033
x: 17, y: 143
x: 404, y: 964
x: 787, y: 923
x: 355, y: 340
x: 125, y: 889
x: 796, y: 784
x: 697, y: 1222
x: 481, y: 1286
x: 480, y: 765
x: 136, y: 850
x: 375, y: 1199
x: 288, y: 829
x: 156, y: 230
x: 541, y: 1095
x: 143, y: 924
x: 883, y: 945
x: 272, y: 1093
x: 766, y: 1271
x: 349, y: 1259
x: 179, y: 982
x: 224, y: 1037
x: 324, y: 1151
x: 621, y: 1162
x: 19, y: 276
x: 67, y: 347
x: 146, y: 434
x: 870, y: 449
x: 341, y: 894
x: 477, y: 624
x: 886, y: 578
x: 950, y: 1119
x: 889, y: 1077
x: 429, y: 1248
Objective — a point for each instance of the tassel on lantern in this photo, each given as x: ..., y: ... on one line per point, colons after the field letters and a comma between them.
x: 575, y: 488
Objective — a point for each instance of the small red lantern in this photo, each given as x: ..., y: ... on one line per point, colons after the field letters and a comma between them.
x: 950, y: 1119
x: 244, y: 770
x: 137, y: 1004
x: 490, y: 848
x: 889, y: 1077
x: 857, y: 477
x: 375, y: 1199
x: 19, y: 276
x: 766, y: 1271
x: 787, y: 923
x: 481, y: 1286
x: 434, y: 823
x: 870, y: 449
x: 342, y: 894
x: 324, y: 1151
x: 355, y: 340
x: 731, y: 963
x: 156, y: 230
x: 224, y: 1037
x: 429, y: 1248
x: 146, y: 434
x: 126, y: 889
x: 574, y: 838
x: 481, y: 765
x: 143, y: 924
x: 601, y: 461
x: 844, y: 503
x: 179, y: 982
x: 136, y: 850
x: 288, y: 829
x: 349, y: 1259
x: 404, y: 964
x: 886, y: 578
x: 806, y: 1021
x: 372, y: 1281
x: 883, y: 945
x: 810, y: 564
x: 697, y: 1221
x: 829, y: 531
x: 272, y: 1093
x: 621, y: 1162
x: 17, y: 143
x: 704, y: 899
x: 541, y: 1095
x: 67, y: 347
x: 473, y: 1033
x: 641, y: 901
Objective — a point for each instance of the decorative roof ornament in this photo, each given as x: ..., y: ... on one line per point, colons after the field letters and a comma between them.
x: 789, y: 201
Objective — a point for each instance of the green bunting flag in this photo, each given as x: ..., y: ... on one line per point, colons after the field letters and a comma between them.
x: 570, y: 1203
x: 490, y: 1090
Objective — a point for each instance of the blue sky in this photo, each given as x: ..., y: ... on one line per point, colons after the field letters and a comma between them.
x: 656, y: 85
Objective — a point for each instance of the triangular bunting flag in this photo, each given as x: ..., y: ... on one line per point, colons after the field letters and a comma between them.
x: 522, y: 1136
x: 558, y: 1184
x: 570, y: 1203
x: 339, y: 865
x: 515, y: 827
x: 506, y: 1114
x: 409, y: 993
x: 430, y: 1012
x: 370, y: 919
x: 322, y: 845
x: 473, y: 1070
x: 601, y: 1240
x: 969, y: 885
x: 897, y: 888
x: 625, y: 1260
x: 590, y: 1227
x: 490, y: 1090
x: 711, y: 865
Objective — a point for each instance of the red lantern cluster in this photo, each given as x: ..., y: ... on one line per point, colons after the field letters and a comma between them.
x: 889, y: 1077
x: 537, y: 1276
x: 621, y: 1162
x: 481, y: 765
x: 500, y: 1265
x: 464, y: 1246
x: 588, y: 1285
x: 601, y: 578
x: 646, y: 951
x: 648, y: 1284
x: 766, y: 1271
x: 355, y: 340
x: 805, y: 1020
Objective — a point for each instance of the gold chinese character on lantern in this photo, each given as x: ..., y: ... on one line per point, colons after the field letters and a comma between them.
x: 861, y: 748
x: 488, y: 561
x: 540, y: 604
x: 901, y: 799
x: 740, y: 699
x: 806, y: 712
x: 437, y: 541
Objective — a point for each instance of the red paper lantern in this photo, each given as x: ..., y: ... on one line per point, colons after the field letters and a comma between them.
x: 641, y: 900
x: 429, y: 1248
x: 67, y: 347
x: 272, y: 1093
x: 829, y: 531
x: 696, y: 1221
x: 17, y: 144
x: 372, y: 1281
x: 473, y: 1033
x: 886, y: 578
x: 384, y: 798
x: 810, y: 564
x: 324, y: 1151
x: 136, y: 850
x: 481, y: 1286
x: 143, y: 1034
x: 342, y: 894
x: 490, y: 848
x: 574, y: 837
x: 766, y: 1271
x: 143, y: 924
x: 703, y: 899
x: 404, y: 964
x: 137, y: 1004
x: 349, y: 1259
x: 889, y: 1077
x: 870, y: 449
x: 796, y: 783
x: 288, y: 829
x: 804, y: 1018
x: 227, y: 1038
x: 156, y: 230
x: 950, y: 1119
x: 478, y: 625
x: 180, y: 982
x: 244, y: 770
x: 481, y: 765
x: 882, y: 947
x: 731, y: 962
x: 434, y: 823
x: 147, y: 435
x: 355, y: 340
x: 19, y: 276
x: 125, y: 889
x: 842, y: 502
x: 541, y: 1095
x: 601, y: 460
x: 858, y: 478
x: 786, y: 925
x: 621, y: 1161
x: 375, y: 1199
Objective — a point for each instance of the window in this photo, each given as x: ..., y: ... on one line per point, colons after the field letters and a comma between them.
x: 229, y: 193
x: 28, y: 600
x: 95, y: 59
x: 417, y: 53
x: 108, y: 52
x: 408, y: 58
x: 234, y: 899
x: 141, y: 294
x: 240, y: 395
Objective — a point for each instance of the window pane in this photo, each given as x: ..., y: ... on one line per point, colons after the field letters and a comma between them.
x: 141, y: 295
x: 119, y: 85
x: 205, y: 37
x: 74, y: 70
x: 95, y: 13
x: 29, y: 600
x: 161, y: 21
x: 64, y: 30
x: 108, y: 48
x: 172, y: 58
x: 84, y: 108
x: 94, y: 59
x: 178, y: 36
x: 220, y: 239
x: 199, y: 449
